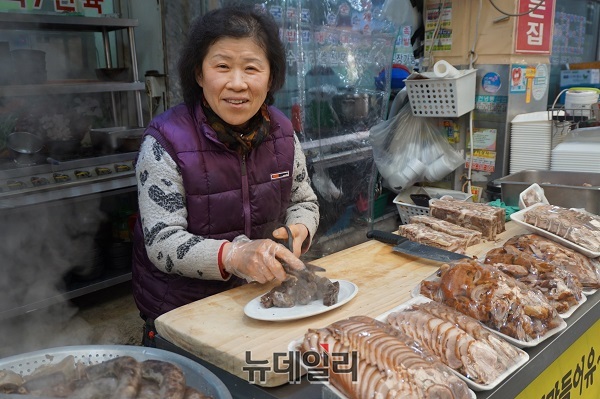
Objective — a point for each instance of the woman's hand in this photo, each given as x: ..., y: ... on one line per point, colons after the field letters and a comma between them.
x: 299, y: 234
x: 258, y: 260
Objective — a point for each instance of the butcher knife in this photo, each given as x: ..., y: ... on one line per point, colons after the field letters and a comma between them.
x: 405, y: 246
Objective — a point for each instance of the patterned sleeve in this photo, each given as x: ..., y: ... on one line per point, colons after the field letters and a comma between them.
x: 163, y: 212
x: 304, y: 207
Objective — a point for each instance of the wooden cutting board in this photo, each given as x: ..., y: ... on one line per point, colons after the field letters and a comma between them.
x: 216, y: 329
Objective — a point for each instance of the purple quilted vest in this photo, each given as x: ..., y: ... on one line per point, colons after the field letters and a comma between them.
x: 226, y: 195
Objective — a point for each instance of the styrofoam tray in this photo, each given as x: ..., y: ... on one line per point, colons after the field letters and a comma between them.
x: 518, y: 217
x: 524, y: 357
x: 416, y: 292
x: 293, y: 346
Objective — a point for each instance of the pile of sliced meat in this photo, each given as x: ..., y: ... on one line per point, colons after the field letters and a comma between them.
x: 496, y: 299
x: 390, y: 364
x: 562, y: 289
x: 122, y: 377
x: 439, y: 233
x: 586, y: 269
x: 457, y: 340
x: 581, y: 228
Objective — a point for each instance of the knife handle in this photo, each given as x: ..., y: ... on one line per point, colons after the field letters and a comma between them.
x: 386, y: 237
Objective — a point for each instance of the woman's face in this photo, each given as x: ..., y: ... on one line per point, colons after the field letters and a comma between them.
x: 235, y: 79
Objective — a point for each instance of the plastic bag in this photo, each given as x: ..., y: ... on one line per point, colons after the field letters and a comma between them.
x: 408, y: 149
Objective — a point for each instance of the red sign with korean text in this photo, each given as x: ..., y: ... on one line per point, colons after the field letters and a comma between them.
x: 534, y: 30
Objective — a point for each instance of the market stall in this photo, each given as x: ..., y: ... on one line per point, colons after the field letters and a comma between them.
x: 216, y: 332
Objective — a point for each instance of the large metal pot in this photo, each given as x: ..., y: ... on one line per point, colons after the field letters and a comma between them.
x: 196, y: 375
x: 23, y: 147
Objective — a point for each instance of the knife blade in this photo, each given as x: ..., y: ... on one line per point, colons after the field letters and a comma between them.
x: 405, y: 246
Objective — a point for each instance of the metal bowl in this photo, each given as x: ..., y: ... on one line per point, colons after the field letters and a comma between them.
x: 23, y: 147
x: 196, y: 375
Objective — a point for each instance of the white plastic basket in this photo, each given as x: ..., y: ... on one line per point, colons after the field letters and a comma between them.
x: 442, y: 97
x: 407, y: 210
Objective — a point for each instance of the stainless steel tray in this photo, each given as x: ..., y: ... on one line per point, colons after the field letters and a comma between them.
x: 564, y: 189
x: 196, y: 375
x: 105, y: 140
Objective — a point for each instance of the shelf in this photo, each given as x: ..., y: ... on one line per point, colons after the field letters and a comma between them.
x: 342, y: 158
x: 24, y: 21
x: 341, y: 139
x: 67, y: 87
x: 122, y: 181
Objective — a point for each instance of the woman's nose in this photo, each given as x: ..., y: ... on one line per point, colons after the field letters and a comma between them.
x: 237, y: 81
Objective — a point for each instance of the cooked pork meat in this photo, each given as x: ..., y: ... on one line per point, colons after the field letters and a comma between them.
x: 578, y: 227
x: 496, y: 299
x: 585, y: 269
x: 487, y: 219
x: 458, y: 341
x: 120, y: 377
x: 562, y: 289
x: 426, y: 235
x: 471, y: 236
x: 390, y: 364
x: 300, y: 288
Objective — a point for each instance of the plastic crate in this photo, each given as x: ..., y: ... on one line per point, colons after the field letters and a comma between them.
x: 407, y: 210
x: 443, y: 97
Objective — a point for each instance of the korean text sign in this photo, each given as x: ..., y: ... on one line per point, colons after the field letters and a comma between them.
x: 534, y: 30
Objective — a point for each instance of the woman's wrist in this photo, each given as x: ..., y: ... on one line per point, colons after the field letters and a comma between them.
x: 222, y: 252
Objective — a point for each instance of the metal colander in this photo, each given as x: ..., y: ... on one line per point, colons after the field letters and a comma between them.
x: 196, y: 375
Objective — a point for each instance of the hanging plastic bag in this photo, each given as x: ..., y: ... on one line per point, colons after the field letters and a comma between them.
x: 408, y: 149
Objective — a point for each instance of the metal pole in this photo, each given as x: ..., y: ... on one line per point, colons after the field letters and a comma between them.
x: 134, y: 66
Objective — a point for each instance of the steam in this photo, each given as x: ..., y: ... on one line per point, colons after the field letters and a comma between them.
x: 40, y: 246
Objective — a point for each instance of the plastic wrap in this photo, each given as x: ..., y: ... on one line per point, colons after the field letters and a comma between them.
x: 409, y: 149
x: 494, y: 298
x: 387, y: 360
x: 561, y: 287
x: 580, y: 228
x: 338, y: 74
x: 586, y: 270
x: 486, y: 359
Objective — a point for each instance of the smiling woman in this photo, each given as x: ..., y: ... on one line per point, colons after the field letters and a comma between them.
x: 235, y: 79
x: 220, y: 172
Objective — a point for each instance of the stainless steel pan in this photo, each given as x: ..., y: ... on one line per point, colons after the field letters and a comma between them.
x: 196, y: 375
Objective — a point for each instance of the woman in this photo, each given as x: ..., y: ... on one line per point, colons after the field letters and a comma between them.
x: 218, y: 173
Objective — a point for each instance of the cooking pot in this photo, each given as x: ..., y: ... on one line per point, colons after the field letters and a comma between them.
x: 23, y: 147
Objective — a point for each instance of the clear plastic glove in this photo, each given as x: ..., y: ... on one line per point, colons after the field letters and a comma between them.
x: 299, y: 235
x: 258, y: 260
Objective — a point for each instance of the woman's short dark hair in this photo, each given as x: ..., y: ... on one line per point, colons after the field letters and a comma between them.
x: 235, y: 21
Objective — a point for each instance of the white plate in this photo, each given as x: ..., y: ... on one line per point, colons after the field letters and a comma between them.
x: 518, y: 217
x: 524, y: 357
x: 256, y: 310
x: 416, y: 292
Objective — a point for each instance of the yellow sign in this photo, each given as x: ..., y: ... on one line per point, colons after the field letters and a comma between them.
x: 574, y: 374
